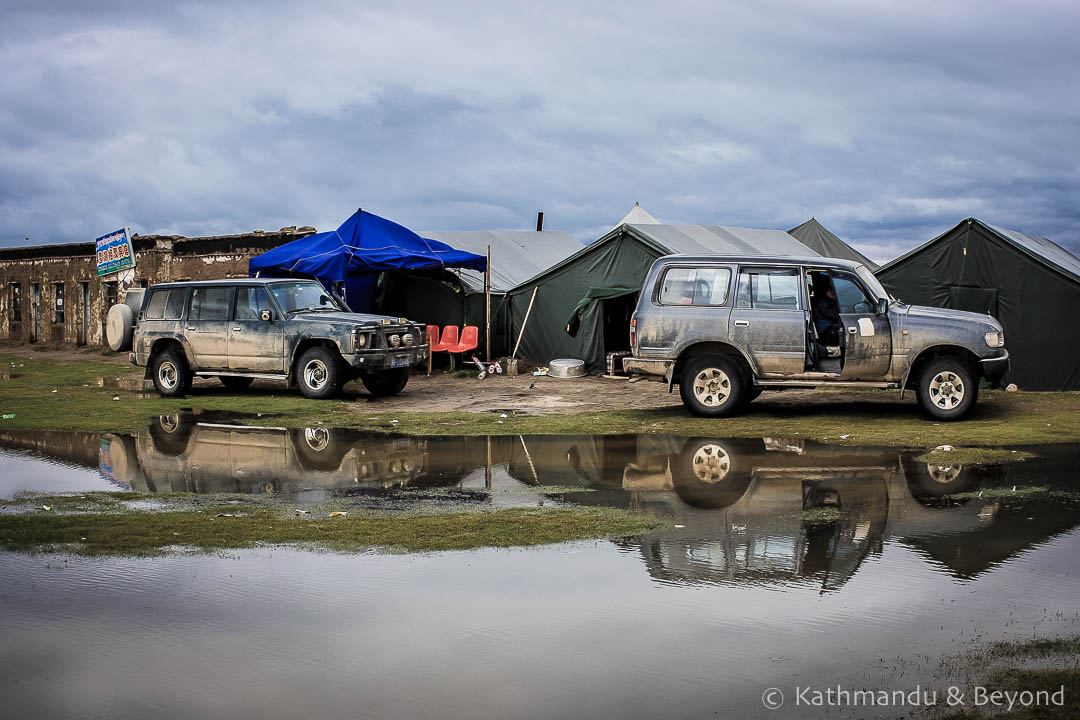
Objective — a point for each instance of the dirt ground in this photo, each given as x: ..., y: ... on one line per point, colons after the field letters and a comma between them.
x: 521, y: 395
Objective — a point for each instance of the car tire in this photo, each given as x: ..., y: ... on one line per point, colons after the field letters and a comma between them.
x: 235, y: 382
x: 318, y: 374
x: 753, y: 392
x: 947, y: 389
x: 171, y: 433
x: 712, y: 386
x: 931, y: 480
x: 709, y: 474
x: 387, y: 382
x: 319, y: 448
x: 172, y: 377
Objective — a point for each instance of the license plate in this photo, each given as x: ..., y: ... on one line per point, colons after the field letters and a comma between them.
x: 399, y: 361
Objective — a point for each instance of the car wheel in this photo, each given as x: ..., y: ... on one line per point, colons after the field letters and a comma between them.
x: 318, y: 374
x: 235, y: 382
x: 709, y: 474
x: 931, y: 480
x: 712, y: 386
x: 387, y: 382
x: 171, y: 433
x: 172, y: 378
x: 319, y: 448
x: 752, y: 393
x: 947, y: 390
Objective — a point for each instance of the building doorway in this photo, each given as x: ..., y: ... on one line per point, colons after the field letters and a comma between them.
x: 84, y: 336
x: 35, y: 312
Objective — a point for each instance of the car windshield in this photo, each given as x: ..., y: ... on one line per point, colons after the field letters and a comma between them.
x: 873, y: 283
x: 309, y: 296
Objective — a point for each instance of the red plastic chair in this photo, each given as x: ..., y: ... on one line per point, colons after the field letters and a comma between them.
x: 470, y: 339
x: 446, y: 343
x: 449, y: 339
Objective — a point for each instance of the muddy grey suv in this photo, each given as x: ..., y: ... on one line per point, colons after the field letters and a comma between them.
x: 725, y: 328
x: 287, y: 329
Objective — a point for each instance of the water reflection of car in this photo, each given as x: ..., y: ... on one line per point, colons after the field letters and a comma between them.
x: 178, y: 454
x: 768, y: 510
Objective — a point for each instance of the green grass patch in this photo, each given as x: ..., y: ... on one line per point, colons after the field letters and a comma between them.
x: 1047, y: 688
x: 822, y: 515
x: 116, y: 532
x: 1019, y: 666
x: 1044, y: 647
x: 859, y: 418
x: 1018, y: 492
x: 974, y: 456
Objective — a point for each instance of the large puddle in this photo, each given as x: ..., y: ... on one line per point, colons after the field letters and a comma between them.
x: 784, y: 563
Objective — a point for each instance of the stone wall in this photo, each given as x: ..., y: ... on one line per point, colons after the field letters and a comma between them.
x: 38, y: 271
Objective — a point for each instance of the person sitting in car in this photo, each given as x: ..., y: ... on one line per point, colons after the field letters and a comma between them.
x: 825, y: 310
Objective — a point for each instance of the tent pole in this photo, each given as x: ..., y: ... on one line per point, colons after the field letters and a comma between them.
x: 526, y: 320
x: 487, y: 306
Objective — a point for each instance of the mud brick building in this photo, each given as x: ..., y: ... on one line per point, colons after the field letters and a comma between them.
x: 52, y: 293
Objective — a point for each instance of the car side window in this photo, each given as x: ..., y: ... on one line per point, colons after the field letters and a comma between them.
x: 768, y: 289
x: 211, y: 303
x: 850, y: 295
x: 155, y: 309
x: 695, y: 286
x: 165, y: 305
x: 250, y: 302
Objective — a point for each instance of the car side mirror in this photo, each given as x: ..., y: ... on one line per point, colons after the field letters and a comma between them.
x: 266, y: 316
x: 882, y: 306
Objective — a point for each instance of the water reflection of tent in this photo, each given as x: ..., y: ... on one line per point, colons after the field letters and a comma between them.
x: 1014, y: 530
x: 598, y: 285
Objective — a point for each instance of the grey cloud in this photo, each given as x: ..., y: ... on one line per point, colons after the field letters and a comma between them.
x: 888, y: 123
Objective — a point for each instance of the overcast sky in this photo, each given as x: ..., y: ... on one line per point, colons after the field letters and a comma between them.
x: 888, y: 121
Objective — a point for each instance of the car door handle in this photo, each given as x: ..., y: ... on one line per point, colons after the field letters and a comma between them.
x: 190, y: 327
x: 742, y: 323
x: 238, y: 329
x: 853, y: 330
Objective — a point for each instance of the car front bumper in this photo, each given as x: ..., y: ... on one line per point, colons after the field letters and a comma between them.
x: 376, y: 360
x: 993, y: 369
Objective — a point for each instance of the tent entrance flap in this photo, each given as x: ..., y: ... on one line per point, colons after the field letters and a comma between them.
x: 573, y: 324
x: 974, y: 299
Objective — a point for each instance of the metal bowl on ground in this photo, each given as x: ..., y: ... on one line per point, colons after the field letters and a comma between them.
x: 566, y: 368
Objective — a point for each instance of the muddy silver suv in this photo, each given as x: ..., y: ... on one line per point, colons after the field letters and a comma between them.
x: 288, y: 329
x: 725, y: 328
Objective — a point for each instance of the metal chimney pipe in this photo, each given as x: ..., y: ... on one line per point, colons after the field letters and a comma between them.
x: 540, y: 221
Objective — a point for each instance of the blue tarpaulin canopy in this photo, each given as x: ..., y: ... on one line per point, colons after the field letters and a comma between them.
x: 356, y: 252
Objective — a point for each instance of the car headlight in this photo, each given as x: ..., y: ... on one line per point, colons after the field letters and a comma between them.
x: 362, y: 339
x: 995, y: 339
x: 395, y: 341
x: 408, y: 340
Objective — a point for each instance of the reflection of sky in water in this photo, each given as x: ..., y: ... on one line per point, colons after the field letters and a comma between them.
x: 23, y: 472
x: 693, y: 620
x: 578, y: 630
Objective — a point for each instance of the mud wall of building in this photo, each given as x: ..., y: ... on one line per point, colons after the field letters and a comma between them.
x: 53, y: 295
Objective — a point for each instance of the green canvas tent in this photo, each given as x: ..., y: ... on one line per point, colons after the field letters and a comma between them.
x: 594, y: 291
x: 456, y: 296
x: 817, y: 237
x: 1030, y: 284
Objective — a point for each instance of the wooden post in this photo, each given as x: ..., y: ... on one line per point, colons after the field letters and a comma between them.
x: 487, y: 470
x: 487, y: 306
x: 526, y: 320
